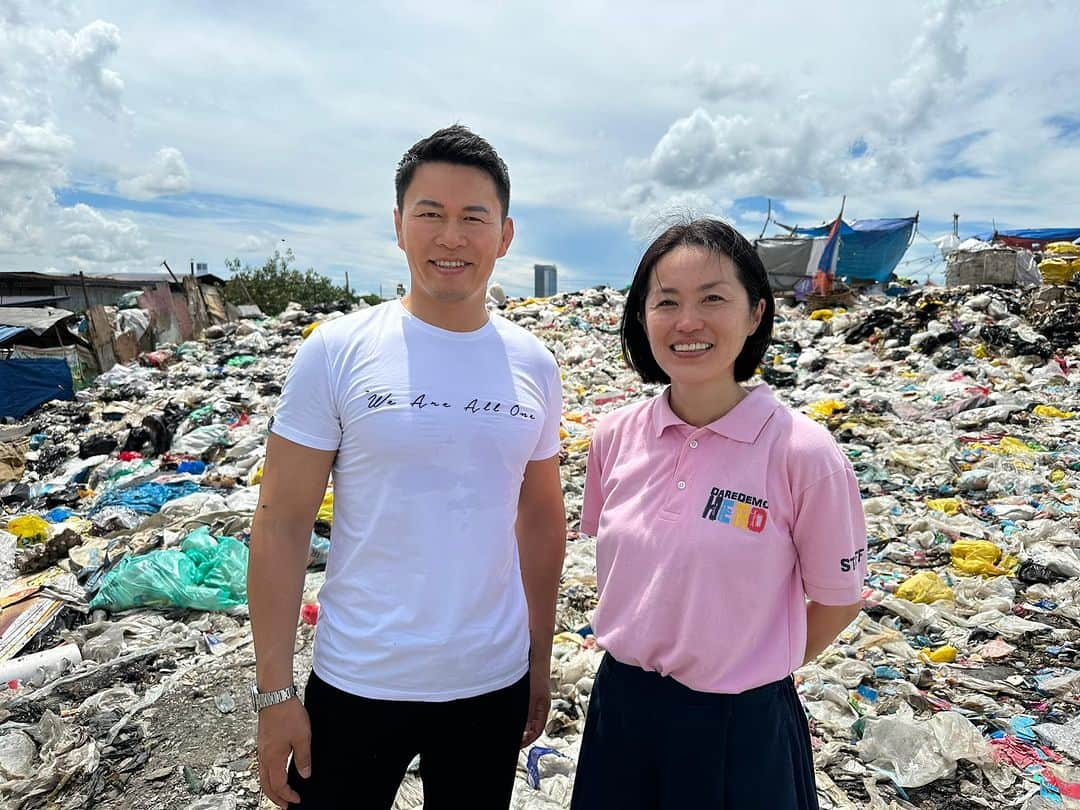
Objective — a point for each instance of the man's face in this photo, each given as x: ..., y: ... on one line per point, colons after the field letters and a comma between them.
x: 452, y: 230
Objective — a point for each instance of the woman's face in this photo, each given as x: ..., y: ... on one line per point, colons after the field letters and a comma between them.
x: 698, y: 316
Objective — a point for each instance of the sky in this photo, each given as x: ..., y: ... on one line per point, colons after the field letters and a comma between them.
x: 133, y: 133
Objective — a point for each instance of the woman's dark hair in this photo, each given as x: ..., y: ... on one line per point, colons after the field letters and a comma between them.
x: 720, y: 239
x: 459, y: 145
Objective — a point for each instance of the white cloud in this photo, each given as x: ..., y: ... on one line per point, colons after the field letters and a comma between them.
x: 650, y: 219
x: 93, y: 237
x: 716, y: 82
x: 168, y: 174
x: 89, y: 49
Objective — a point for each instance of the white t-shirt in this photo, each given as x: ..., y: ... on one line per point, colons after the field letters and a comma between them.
x: 423, y: 597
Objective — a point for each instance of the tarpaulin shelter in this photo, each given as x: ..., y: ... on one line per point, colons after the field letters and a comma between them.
x: 789, y: 259
x: 25, y: 384
x: 1027, y: 238
x: 39, y: 358
x: 870, y: 249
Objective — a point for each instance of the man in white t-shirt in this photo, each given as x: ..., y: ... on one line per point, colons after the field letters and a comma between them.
x: 440, y: 425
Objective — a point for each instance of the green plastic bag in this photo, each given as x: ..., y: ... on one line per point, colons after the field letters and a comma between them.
x: 205, y: 573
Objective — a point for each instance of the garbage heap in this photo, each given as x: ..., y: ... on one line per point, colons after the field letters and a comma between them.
x: 125, y: 635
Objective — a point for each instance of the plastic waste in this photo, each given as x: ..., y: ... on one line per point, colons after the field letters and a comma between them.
x: 915, y: 753
x: 925, y: 587
x: 29, y: 529
x: 206, y: 573
x: 981, y: 557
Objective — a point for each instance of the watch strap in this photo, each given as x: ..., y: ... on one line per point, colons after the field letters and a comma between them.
x: 262, y: 700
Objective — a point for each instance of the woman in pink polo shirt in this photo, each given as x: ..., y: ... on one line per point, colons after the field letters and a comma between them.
x: 730, y: 549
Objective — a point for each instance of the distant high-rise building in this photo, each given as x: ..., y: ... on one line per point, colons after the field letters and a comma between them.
x: 546, y: 280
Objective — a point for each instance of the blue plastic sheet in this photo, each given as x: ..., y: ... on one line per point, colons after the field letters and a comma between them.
x: 870, y: 249
x: 146, y: 499
x: 532, y: 766
x: 25, y: 384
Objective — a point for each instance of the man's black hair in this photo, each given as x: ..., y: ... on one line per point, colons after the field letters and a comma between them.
x: 458, y: 145
x: 720, y: 239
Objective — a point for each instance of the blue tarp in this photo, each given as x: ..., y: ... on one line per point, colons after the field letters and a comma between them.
x: 146, y: 499
x: 870, y: 249
x: 1043, y: 235
x: 25, y: 384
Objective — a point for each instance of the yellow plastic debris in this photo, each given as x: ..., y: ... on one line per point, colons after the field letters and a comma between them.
x: 311, y: 327
x: 980, y: 557
x: 942, y: 655
x: 29, y: 529
x: 568, y: 638
x: 326, y: 510
x: 257, y: 477
x: 950, y: 506
x: 981, y: 352
x: 822, y: 315
x: 578, y: 445
x: 925, y: 587
x: 1013, y: 446
x: 562, y: 433
x: 1057, y: 475
x: 1062, y: 249
x: 825, y: 408
x: 1050, y: 412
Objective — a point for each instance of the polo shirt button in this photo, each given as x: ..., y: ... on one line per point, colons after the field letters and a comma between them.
x: 681, y: 485
x: 693, y: 443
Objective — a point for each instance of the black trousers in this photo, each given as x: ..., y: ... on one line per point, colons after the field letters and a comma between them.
x: 360, y: 749
x: 651, y: 743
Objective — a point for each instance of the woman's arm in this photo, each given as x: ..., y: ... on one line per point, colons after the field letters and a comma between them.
x: 823, y: 624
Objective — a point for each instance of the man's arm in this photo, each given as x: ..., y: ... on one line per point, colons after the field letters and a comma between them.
x: 541, y: 537
x: 823, y: 625
x: 293, y: 484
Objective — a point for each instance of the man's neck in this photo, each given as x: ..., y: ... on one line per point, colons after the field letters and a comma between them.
x: 462, y: 316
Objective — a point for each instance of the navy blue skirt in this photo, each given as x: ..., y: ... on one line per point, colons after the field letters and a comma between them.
x: 651, y: 742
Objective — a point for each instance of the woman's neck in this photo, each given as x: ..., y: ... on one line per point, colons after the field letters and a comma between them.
x: 699, y: 405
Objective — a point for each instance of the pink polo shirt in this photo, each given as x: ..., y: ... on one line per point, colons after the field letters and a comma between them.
x: 709, y: 540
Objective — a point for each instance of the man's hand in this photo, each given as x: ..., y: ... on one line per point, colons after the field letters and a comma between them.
x: 283, y: 729
x: 539, y: 704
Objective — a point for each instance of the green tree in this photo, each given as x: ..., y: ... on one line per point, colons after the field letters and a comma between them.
x: 276, y: 283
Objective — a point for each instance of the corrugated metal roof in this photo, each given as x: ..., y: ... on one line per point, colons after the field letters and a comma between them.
x: 29, y: 300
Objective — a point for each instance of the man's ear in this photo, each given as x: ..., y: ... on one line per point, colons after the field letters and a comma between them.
x: 397, y: 228
x: 507, y: 237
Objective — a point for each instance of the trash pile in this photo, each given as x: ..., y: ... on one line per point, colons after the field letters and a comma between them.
x: 125, y: 645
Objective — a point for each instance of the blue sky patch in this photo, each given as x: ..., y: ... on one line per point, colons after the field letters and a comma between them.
x: 1067, y: 126
x: 196, y: 205
x: 953, y: 148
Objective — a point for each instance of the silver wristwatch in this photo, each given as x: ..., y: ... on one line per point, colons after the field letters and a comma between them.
x: 260, y: 700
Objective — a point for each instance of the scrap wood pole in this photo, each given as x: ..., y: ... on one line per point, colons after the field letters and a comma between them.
x: 86, y: 295
x: 171, y: 273
x: 768, y: 216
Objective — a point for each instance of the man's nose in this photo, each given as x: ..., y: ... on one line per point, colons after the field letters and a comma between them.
x: 451, y: 235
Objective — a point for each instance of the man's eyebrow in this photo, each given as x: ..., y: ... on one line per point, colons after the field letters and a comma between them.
x: 474, y: 209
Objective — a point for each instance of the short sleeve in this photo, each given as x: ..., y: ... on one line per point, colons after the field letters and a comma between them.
x: 829, y: 532
x: 593, y: 500
x: 306, y: 411
x: 548, y: 444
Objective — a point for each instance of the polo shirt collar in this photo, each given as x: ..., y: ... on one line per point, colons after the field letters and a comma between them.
x: 743, y: 423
